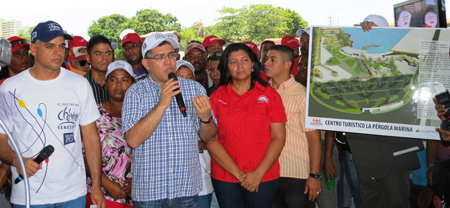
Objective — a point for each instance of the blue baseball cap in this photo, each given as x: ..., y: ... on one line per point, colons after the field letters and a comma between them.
x: 47, y: 31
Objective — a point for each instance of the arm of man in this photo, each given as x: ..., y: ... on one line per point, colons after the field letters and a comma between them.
x: 315, y: 152
x: 208, y: 129
x: 328, y: 164
x: 144, y: 128
x: 253, y: 178
x: 8, y: 156
x: 93, y: 149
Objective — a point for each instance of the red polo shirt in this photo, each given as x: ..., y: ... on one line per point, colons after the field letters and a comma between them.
x: 244, y: 127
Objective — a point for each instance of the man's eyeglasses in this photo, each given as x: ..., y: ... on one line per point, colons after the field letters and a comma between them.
x: 81, y: 62
x: 159, y: 57
x: 16, y: 43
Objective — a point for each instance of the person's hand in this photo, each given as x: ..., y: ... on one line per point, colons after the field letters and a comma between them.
x: 114, y: 190
x: 367, y: 26
x: 441, y: 110
x: 330, y: 169
x: 30, y: 166
x: 445, y: 135
x: 201, y: 145
x: 127, y: 185
x: 97, y: 197
x: 313, y: 187
x: 203, y: 107
x: 170, y: 89
x: 251, y: 181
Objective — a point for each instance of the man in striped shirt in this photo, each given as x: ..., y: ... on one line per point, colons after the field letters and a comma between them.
x: 299, y: 184
x: 99, y: 56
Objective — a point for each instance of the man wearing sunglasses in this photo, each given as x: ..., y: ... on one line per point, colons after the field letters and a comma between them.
x: 166, y: 166
x: 20, y: 58
x: 77, y: 56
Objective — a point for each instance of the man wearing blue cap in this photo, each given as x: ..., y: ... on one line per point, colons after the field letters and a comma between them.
x: 49, y: 105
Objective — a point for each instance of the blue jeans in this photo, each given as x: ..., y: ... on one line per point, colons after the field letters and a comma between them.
x: 79, y: 202
x: 352, y: 177
x: 204, y: 201
x: 182, y: 202
x: 232, y: 195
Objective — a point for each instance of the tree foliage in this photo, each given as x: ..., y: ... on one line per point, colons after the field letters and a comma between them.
x: 145, y: 21
x: 150, y: 20
x: 256, y: 23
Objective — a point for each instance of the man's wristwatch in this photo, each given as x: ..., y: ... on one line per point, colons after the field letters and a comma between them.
x: 316, y: 176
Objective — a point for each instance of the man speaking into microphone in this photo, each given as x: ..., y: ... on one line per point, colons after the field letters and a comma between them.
x: 166, y: 170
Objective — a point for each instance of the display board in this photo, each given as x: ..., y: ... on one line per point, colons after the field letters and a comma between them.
x: 379, y: 82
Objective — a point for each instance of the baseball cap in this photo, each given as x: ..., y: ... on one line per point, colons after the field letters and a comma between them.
x: 18, y: 43
x: 253, y: 46
x: 120, y: 65
x: 377, y: 19
x: 184, y: 63
x: 194, y: 45
x: 78, y: 47
x: 47, y: 31
x: 210, y: 40
x: 125, y: 32
x: 290, y: 41
x: 131, y: 37
x: 155, y: 39
x: 301, y: 31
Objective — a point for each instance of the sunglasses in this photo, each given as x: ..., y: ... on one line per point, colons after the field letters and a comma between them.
x: 215, y: 56
x: 81, y: 62
x: 16, y: 43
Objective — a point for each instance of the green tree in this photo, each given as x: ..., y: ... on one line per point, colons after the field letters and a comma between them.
x: 256, y: 23
x: 108, y: 26
x: 150, y: 20
x: 25, y: 33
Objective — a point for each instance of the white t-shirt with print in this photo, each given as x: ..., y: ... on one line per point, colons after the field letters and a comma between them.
x: 41, y: 113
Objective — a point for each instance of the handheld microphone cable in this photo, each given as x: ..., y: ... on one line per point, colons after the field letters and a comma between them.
x: 22, y: 164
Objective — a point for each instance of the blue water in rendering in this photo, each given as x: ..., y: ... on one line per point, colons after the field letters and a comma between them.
x: 385, y: 38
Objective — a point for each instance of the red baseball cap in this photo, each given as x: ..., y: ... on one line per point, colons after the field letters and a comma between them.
x: 253, y: 46
x: 290, y: 41
x: 78, y: 47
x: 18, y: 43
x: 131, y: 37
x: 210, y: 40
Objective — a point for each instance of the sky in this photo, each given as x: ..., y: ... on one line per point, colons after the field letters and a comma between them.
x: 76, y: 16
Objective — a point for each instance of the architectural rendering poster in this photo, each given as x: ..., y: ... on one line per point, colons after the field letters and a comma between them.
x: 379, y: 82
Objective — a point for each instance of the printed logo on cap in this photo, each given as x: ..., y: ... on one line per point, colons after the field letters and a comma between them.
x: 119, y: 64
x: 213, y: 38
x: 33, y: 35
x: 54, y: 27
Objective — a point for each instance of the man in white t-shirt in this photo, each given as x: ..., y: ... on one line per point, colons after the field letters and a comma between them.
x: 49, y: 105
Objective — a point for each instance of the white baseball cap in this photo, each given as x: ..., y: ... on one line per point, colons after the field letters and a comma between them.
x: 377, y: 19
x: 155, y: 39
x: 184, y: 63
x: 301, y: 31
x: 120, y: 65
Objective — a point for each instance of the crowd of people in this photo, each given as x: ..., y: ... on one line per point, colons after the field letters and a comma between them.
x: 228, y: 132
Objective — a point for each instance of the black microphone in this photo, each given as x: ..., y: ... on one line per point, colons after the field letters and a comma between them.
x: 44, y: 154
x: 179, y: 97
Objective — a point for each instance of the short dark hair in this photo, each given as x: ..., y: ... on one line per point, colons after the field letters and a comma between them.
x: 96, y: 40
x: 264, y: 42
x: 286, y: 53
x: 224, y: 70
